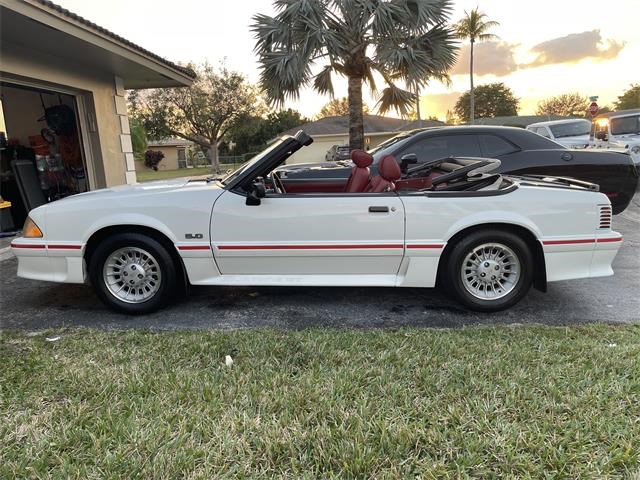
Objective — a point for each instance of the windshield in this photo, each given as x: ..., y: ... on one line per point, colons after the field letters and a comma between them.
x: 251, y: 162
x: 625, y: 125
x: 573, y: 129
x: 388, y: 143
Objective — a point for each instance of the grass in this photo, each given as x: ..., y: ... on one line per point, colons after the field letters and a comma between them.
x: 480, y: 402
x: 150, y: 175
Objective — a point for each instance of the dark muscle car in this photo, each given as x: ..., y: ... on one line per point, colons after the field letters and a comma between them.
x: 521, y: 153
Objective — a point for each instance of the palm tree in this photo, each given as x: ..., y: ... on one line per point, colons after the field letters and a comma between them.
x: 475, y: 27
x: 405, y: 42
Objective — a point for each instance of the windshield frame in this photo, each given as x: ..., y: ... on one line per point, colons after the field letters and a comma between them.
x: 252, y: 161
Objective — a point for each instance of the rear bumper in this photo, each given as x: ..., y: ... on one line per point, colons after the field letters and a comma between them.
x: 51, y: 262
x: 568, y: 259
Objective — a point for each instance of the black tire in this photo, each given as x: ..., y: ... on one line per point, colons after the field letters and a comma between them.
x: 452, y: 275
x: 168, y: 279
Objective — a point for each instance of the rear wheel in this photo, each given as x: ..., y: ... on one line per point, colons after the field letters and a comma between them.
x: 488, y: 271
x: 132, y: 273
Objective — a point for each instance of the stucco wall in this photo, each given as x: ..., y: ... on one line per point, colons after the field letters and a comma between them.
x: 98, y: 89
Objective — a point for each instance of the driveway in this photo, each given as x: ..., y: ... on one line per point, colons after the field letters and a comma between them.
x: 34, y: 305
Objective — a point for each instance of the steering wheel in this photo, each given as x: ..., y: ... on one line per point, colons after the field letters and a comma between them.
x: 277, y: 183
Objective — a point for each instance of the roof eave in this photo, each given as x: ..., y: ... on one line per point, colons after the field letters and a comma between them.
x: 101, y: 38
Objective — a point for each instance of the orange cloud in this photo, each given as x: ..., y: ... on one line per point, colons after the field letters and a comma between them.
x: 573, y: 48
x: 489, y: 58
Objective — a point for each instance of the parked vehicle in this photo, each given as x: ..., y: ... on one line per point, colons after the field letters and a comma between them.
x: 338, y: 152
x: 485, y: 237
x: 618, y: 131
x: 572, y: 133
x: 521, y: 152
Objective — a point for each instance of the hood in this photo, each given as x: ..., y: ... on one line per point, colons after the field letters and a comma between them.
x: 139, y: 189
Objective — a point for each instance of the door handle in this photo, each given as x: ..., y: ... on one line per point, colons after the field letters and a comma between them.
x: 376, y: 209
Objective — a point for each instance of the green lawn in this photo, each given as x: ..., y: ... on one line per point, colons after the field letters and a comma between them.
x: 150, y: 175
x: 478, y: 402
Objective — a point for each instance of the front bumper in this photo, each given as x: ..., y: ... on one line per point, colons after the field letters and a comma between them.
x: 49, y: 261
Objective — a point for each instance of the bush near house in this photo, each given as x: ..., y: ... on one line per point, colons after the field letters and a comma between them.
x: 152, y: 158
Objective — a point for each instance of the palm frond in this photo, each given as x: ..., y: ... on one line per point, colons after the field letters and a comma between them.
x: 322, y: 82
x: 419, y: 59
x: 395, y: 98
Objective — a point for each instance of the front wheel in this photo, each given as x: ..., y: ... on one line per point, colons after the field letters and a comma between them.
x: 488, y: 271
x: 132, y: 273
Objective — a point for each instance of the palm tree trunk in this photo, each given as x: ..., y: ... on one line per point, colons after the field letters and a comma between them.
x: 356, y: 119
x: 472, y: 103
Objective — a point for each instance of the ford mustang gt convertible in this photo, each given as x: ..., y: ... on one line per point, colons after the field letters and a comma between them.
x: 486, y: 238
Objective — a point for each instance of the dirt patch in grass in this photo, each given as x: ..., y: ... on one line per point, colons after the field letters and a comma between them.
x: 526, y: 402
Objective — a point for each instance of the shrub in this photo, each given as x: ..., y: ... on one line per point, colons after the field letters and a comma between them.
x: 152, y: 158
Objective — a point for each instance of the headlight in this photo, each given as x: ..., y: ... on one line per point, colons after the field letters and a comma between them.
x: 31, y: 230
x: 635, y: 149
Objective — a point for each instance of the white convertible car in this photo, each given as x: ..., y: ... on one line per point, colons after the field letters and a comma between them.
x: 485, y: 237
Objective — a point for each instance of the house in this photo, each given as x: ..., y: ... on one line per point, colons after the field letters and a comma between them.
x: 63, y: 81
x: 330, y: 131
x: 175, y: 151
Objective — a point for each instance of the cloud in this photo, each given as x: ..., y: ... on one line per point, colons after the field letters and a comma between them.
x: 573, y: 48
x: 489, y: 58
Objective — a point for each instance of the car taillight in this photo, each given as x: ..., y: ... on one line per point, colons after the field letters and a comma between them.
x: 605, y: 217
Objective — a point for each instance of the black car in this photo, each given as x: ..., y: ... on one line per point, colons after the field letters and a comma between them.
x: 520, y: 152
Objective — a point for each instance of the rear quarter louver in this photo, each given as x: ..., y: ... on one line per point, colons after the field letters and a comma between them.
x: 605, y: 217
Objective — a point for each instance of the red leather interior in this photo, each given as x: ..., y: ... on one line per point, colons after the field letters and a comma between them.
x: 360, y: 174
x: 388, y: 173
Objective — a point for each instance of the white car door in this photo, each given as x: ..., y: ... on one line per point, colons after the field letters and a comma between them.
x: 336, y: 238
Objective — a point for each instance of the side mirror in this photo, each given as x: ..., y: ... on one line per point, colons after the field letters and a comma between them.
x: 602, y: 135
x: 256, y: 192
x: 406, y: 160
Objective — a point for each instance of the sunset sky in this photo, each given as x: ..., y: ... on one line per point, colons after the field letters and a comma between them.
x: 545, y: 48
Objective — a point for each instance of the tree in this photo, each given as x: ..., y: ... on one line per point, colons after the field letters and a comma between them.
x: 566, y: 105
x: 201, y: 113
x: 138, y: 138
x: 250, y: 133
x: 475, y: 28
x: 338, y: 107
x: 630, y: 98
x: 405, y: 41
x: 492, y: 100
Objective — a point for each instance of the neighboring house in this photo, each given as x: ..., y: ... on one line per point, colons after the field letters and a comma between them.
x: 517, y: 120
x: 54, y: 59
x: 175, y: 150
x: 330, y: 131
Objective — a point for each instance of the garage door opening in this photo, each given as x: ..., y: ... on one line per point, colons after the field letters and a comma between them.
x: 42, y: 156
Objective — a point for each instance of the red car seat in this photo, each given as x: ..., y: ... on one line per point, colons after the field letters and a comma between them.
x: 388, y: 173
x: 360, y: 174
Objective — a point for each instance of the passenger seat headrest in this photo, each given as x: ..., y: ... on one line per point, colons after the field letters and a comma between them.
x: 389, y: 169
x: 361, y: 158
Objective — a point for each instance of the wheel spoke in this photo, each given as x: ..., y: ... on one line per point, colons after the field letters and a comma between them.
x: 132, y: 275
x: 490, y: 271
